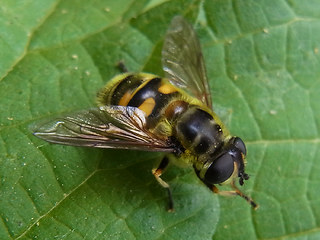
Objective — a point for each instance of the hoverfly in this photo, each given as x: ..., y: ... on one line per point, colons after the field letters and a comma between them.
x: 172, y: 115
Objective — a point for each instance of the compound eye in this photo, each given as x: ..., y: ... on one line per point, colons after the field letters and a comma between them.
x: 220, y: 170
x: 238, y: 143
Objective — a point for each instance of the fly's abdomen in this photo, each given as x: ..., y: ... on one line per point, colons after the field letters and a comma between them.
x: 120, y: 89
x: 148, y: 92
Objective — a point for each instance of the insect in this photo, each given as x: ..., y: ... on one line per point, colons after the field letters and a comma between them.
x: 172, y: 115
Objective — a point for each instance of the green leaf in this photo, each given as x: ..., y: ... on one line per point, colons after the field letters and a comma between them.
x: 263, y: 64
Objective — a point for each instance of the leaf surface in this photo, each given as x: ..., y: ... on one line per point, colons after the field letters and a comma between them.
x: 262, y: 59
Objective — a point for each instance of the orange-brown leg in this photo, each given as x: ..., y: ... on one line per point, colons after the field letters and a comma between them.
x: 157, y: 172
x: 235, y: 192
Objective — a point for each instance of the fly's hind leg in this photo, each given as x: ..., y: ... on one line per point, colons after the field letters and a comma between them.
x: 157, y: 172
x: 235, y: 192
x: 122, y: 67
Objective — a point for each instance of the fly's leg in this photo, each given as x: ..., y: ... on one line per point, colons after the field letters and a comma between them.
x: 235, y: 192
x: 122, y: 67
x: 157, y: 172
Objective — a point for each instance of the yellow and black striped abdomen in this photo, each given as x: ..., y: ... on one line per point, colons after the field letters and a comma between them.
x: 148, y: 92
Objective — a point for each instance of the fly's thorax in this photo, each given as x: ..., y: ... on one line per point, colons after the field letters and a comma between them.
x: 198, y: 131
x: 183, y: 160
x: 175, y: 108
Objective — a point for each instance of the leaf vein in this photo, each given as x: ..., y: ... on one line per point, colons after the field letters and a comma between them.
x: 57, y: 204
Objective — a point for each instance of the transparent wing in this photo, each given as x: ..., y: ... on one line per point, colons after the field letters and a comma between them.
x: 104, y: 127
x: 182, y: 60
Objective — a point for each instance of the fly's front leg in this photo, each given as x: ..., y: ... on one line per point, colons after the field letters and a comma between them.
x: 157, y: 172
x: 235, y: 192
